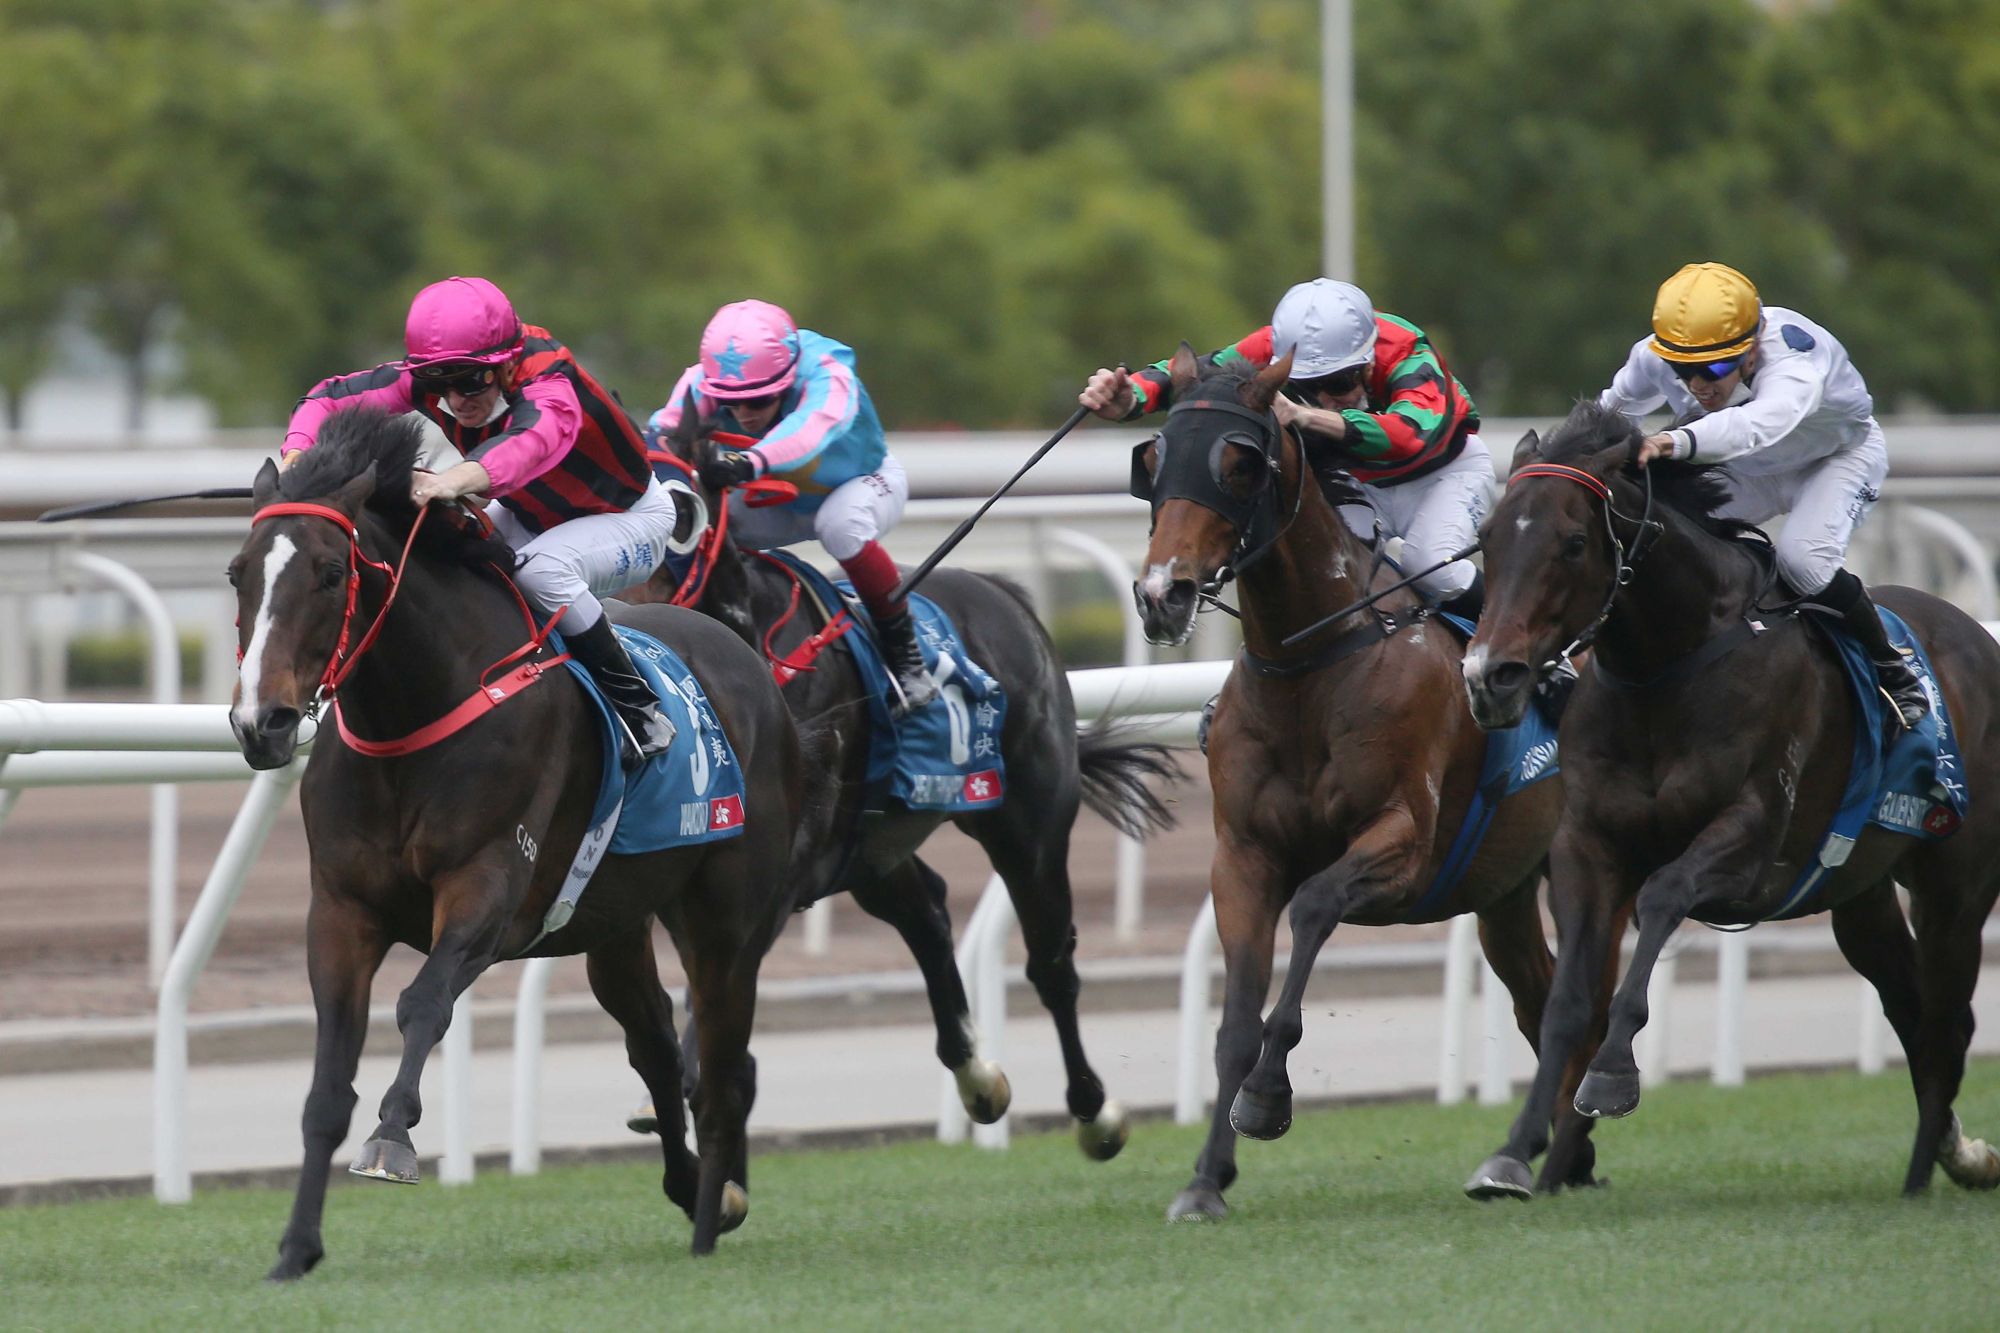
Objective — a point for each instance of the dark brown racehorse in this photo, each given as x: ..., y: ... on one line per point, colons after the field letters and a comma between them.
x: 1706, y: 752
x: 1052, y: 767
x: 459, y: 848
x: 1342, y: 768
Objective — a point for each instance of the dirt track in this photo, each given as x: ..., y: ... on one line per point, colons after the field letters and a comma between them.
x: 73, y: 923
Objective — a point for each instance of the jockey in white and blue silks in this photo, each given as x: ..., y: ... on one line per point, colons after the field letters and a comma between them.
x: 796, y: 394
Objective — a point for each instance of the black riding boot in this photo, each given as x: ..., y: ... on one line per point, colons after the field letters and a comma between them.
x: 648, y: 731
x: 1898, y: 679
x: 897, y: 634
x: 1468, y: 604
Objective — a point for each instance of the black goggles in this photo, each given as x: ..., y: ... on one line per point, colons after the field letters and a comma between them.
x: 756, y: 404
x: 462, y: 377
x: 1338, y: 383
x: 1703, y: 370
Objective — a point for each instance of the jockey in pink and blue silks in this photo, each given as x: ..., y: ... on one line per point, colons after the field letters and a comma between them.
x: 796, y: 394
x: 564, y: 463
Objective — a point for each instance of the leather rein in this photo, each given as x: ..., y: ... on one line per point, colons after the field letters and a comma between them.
x: 489, y: 694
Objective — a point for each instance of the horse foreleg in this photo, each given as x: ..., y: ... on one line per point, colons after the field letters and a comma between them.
x: 625, y: 978
x: 1382, y: 858
x: 1720, y: 865
x: 1247, y: 893
x: 910, y: 897
x: 471, y: 918
x: 1583, y: 885
x: 344, y: 947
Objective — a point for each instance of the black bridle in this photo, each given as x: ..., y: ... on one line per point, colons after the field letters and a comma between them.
x: 1185, y: 470
x: 1648, y: 533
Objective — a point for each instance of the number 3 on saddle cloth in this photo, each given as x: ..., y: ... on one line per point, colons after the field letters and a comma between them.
x: 1518, y: 757
x: 1909, y: 781
x: 945, y: 757
x: 692, y: 793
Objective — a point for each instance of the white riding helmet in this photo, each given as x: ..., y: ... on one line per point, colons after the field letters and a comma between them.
x: 1326, y: 325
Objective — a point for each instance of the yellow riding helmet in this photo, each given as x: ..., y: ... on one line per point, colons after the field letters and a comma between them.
x: 1705, y: 312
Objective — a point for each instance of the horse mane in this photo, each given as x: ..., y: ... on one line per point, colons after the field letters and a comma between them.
x: 350, y: 443
x: 1696, y: 490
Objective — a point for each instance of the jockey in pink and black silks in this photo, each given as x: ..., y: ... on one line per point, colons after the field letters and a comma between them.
x: 794, y: 392
x: 564, y: 463
x: 1369, y: 394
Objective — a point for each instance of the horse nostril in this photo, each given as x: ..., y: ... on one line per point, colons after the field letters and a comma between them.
x: 278, y: 721
x: 1507, y: 677
x: 1180, y: 596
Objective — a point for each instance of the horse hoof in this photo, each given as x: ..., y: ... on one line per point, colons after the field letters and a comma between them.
x: 1257, y: 1115
x: 1500, y: 1177
x: 1613, y: 1095
x: 1970, y: 1163
x: 1198, y: 1203
x: 292, y: 1267
x: 644, y: 1120
x: 1103, y: 1136
x: 735, y: 1208
x: 984, y: 1090
x: 385, y: 1159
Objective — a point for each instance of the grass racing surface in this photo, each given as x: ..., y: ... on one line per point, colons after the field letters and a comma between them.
x: 1771, y: 1205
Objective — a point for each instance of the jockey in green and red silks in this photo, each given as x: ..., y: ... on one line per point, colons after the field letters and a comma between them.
x: 1370, y: 395
x: 795, y: 394
x: 563, y: 462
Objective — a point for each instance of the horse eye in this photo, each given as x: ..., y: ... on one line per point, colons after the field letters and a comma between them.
x: 1573, y: 545
x: 330, y: 575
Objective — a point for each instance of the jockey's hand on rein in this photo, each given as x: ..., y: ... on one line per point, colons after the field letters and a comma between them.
x: 727, y: 467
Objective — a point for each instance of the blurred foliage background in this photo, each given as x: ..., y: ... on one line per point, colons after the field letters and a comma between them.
x: 987, y: 200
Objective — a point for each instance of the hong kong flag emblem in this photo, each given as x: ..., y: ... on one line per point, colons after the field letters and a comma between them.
x: 1941, y: 822
x: 982, y: 786
x: 725, y: 812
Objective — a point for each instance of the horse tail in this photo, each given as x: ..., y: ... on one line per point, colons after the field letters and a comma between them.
x: 1114, y: 770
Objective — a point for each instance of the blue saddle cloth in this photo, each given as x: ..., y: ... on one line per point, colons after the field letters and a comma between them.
x: 694, y: 792
x: 943, y: 757
x: 1909, y: 781
x: 1515, y: 758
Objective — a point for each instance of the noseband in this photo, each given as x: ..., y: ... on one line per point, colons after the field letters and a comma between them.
x: 1649, y: 530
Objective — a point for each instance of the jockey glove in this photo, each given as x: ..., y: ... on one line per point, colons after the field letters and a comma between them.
x: 728, y: 467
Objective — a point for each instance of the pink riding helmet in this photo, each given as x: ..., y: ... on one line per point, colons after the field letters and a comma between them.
x: 749, y: 350
x: 461, y: 319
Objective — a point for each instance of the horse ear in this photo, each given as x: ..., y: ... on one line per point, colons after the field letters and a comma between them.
x: 350, y: 497
x: 265, y: 488
x: 1185, y: 368
x: 1264, y: 387
x: 1526, y: 452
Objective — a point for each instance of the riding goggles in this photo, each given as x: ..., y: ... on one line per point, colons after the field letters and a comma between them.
x: 461, y: 377
x: 1703, y: 370
x: 1338, y: 383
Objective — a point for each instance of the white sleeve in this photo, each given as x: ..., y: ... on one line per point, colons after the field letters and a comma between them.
x: 1635, y: 390
x: 1788, y: 391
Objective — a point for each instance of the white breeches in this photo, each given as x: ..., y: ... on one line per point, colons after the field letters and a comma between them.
x: 1826, y: 501
x: 857, y: 512
x: 572, y: 563
x: 1435, y: 515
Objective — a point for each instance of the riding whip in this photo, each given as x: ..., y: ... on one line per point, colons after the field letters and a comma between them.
x: 916, y: 576
x: 107, y: 506
x: 1375, y: 597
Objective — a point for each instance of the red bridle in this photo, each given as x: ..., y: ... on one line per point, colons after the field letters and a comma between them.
x: 1625, y: 561
x: 489, y: 694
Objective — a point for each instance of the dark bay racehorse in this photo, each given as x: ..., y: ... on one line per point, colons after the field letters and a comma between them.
x: 1342, y: 768
x: 1051, y: 766
x: 459, y: 848
x: 1706, y: 752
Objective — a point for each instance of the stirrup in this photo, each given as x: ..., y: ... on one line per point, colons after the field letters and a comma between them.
x: 913, y: 694
x: 637, y: 744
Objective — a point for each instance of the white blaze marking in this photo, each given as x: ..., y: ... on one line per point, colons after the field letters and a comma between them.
x: 1521, y: 523
x: 275, y: 561
x: 1158, y: 579
x: 1474, y: 666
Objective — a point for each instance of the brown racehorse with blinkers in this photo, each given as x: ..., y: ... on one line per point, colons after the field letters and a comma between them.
x: 1707, y: 749
x: 1342, y: 769
x: 458, y: 848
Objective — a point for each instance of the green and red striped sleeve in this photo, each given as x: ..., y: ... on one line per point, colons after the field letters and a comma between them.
x: 1152, y: 388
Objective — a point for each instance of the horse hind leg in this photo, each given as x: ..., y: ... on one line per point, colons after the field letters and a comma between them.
x: 624, y: 976
x: 1510, y: 935
x: 1949, y: 952
x: 1028, y: 844
x: 911, y: 897
x: 725, y: 987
